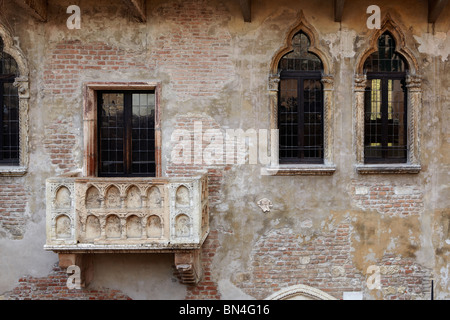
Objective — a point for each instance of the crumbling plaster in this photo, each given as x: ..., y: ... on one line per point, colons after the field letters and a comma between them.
x: 318, y: 203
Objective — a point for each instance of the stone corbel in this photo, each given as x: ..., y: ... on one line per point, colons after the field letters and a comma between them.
x: 83, y: 261
x: 189, y: 267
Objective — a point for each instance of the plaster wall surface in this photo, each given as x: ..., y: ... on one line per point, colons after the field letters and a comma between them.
x: 214, y: 67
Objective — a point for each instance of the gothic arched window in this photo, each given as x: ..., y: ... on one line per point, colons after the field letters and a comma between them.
x: 301, y: 104
x: 9, y: 114
x: 385, y: 105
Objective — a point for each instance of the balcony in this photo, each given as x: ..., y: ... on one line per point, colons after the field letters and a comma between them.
x: 87, y: 215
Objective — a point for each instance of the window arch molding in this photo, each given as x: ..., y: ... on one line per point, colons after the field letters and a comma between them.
x: 300, y: 292
x: 327, y: 168
x: 394, y: 29
x: 414, y: 101
x: 22, y: 84
x: 301, y: 26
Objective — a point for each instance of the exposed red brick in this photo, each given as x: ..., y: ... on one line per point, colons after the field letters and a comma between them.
x: 60, y: 141
x: 53, y: 287
x: 13, y: 202
x: 383, y: 198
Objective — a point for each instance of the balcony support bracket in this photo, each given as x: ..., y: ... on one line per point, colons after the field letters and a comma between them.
x: 189, y: 267
x: 81, y: 265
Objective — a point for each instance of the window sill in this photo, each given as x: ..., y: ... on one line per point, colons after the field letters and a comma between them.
x: 6, y: 171
x: 299, y: 170
x: 388, y: 168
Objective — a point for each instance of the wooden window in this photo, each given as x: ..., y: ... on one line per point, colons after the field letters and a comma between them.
x: 9, y: 113
x: 126, y: 133
x: 385, y: 105
x: 301, y: 105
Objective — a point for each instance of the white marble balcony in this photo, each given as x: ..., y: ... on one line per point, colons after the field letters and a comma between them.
x: 127, y: 215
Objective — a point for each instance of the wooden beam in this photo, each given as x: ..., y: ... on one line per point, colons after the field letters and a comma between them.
x: 37, y: 8
x: 246, y: 7
x: 137, y: 8
x: 338, y: 10
x: 435, y: 8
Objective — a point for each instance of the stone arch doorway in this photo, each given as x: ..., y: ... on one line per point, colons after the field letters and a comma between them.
x: 300, y: 292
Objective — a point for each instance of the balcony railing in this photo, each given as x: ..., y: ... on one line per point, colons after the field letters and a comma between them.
x: 94, y: 215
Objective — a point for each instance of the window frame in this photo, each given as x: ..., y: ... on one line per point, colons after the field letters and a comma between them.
x: 300, y: 76
x: 384, y: 77
x: 21, y: 81
x: 414, y: 103
x: 16, y: 161
x: 328, y: 167
x: 128, y: 127
x: 90, y: 122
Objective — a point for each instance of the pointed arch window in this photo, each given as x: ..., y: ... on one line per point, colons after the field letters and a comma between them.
x: 9, y: 113
x: 388, y: 100
x: 300, y: 104
x: 385, y: 105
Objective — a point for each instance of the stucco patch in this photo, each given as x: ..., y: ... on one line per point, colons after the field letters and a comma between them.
x: 435, y: 45
x: 341, y: 43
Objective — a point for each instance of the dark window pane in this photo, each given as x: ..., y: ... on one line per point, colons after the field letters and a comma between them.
x: 300, y: 104
x: 8, y: 66
x: 385, y: 59
x: 288, y: 117
x: 385, y: 121
x: 385, y: 129
x: 127, y: 127
x: 313, y: 129
x: 9, y: 151
x: 300, y: 59
x: 111, y: 133
x: 143, y: 131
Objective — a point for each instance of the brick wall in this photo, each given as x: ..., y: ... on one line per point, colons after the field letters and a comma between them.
x: 197, y: 58
x: 70, y: 59
x: 60, y: 142
x: 216, y: 171
x: 13, y: 202
x: 54, y: 287
x: 282, y: 258
x: 196, y: 54
x: 207, y: 288
x: 392, y: 200
x: 403, y: 279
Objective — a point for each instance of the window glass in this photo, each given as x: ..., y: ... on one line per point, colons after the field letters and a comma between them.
x: 385, y: 122
x: 9, y: 113
x: 300, y: 105
x: 127, y: 134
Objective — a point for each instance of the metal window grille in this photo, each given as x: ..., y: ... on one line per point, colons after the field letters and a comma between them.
x: 385, y: 114
x: 9, y: 114
x: 126, y: 134
x: 300, y: 105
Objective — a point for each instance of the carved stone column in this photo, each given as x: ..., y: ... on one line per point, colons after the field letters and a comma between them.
x: 90, y: 133
x: 413, y: 85
x: 22, y: 85
x: 359, y: 88
x: 274, y: 81
x: 328, y: 111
